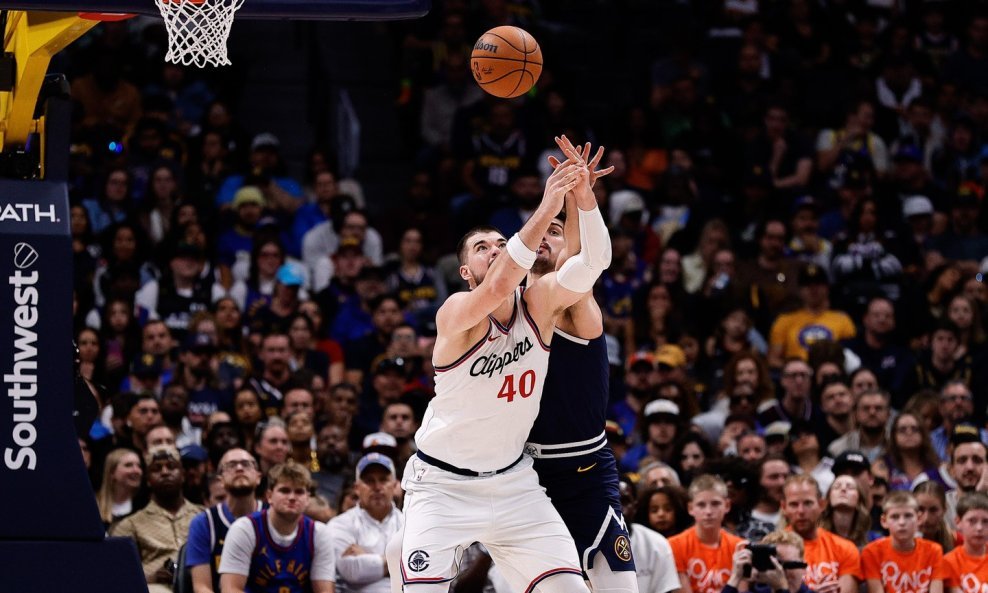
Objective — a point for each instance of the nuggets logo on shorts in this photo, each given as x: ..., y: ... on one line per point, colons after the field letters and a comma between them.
x: 418, y: 561
x: 622, y: 547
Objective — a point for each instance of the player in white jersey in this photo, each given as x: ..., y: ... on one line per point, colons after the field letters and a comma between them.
x: 469, y: 480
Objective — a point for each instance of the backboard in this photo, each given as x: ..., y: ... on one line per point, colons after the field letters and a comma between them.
x: 331, y: 10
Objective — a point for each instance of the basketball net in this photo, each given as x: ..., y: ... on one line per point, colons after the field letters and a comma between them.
x: 198, y: 30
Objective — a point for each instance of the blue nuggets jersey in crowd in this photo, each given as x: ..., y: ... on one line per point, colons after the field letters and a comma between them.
x: 574, y: 398
x: 277, y: 569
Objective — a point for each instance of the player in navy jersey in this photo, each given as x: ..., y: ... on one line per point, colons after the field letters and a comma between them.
x: 568, y: 442
x: 279, y: 550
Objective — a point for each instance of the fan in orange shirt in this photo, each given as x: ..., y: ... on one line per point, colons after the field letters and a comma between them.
x: 704, y: 553
x: 966, y: 566
x: 901, y: 562
x: 833, y: 563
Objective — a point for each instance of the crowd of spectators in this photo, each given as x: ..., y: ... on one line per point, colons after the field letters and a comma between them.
x: 800, y: 243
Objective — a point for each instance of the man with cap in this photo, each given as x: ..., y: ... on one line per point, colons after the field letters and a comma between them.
x: 917, y: 211
x: 640, y: 382
x: 161, y: 528
x: 335, y: 282
x: 805, y: 243
x: 662, y: 427
x: 195, y: 373
x: 195, y: 461
x: 360, y: 535
x: 276, y: 314
x: 852, y: 179
x: 872, y: 411
x: 356, y: 318
x: 326, y: 238
x: 240, y: 477
x: 279, y: 548
x: 281, y: 192
x: 387, y: 382
x: 766, y: 283
x: 616, y: 439
x: 182, y: 291
x: 963, y: 241
x: 793, y: 333
x: 145, y: 375
x: 238, y: 242
x: 856, y: 465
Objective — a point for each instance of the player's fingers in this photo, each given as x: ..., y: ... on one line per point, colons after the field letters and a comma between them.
x: 604, y: 172
x: 596, y: 158
x: 553, y: 161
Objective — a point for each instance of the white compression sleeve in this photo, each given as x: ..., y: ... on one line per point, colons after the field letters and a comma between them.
x: 519, y: 252
x: 580, y: 272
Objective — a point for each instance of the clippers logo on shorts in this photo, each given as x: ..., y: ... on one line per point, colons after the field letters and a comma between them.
x: 488, y: 365
x: 22, y: 379
x: 703, y: 580
x: 970, y: 583
x: 819, y: 573
x: 418, y: 561
x: 622, y: 548
x: 912, y: 581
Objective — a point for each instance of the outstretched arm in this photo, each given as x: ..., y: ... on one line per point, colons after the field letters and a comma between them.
x: 463, y: 311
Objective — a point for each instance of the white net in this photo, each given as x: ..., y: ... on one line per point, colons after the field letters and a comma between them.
x: 198, y: 30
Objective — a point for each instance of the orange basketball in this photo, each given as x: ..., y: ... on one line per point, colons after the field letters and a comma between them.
x: 506, y: 61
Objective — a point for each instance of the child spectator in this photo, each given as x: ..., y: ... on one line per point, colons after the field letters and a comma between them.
x: 902, y: 562
x: 704, y: 553
x: 965, y: 567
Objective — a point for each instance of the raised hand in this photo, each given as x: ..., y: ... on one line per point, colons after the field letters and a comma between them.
x: 562, y: 180
x: 582, y: 152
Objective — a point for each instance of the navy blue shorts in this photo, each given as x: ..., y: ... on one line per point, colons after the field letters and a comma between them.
x: 584, y: 490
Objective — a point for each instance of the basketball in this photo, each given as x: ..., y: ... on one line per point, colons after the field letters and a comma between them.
x: 506, y: 61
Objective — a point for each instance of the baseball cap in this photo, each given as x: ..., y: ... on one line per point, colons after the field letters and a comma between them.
x: 661, y: 407
x: 390, y: 364
x: 964, y: 433
x: 288, y: 275
x: 808, y: 202
x: 248, y: 194
x: 916, y: 206
x: 372, y: 459
x: 908, y: 152
x: 812, y: 274
x: 186, y: 249
x: 850, y: 462
x: 199, y: 343
x: 193, y: 453
x: 146, y: 365
x: 779, y: 428
x: 162, y: 453
x: 350, y: 244
x: 624, y: 202
x: 639, y: 357
x: 265, y: 140
x: 671, y: 355
x: 379, y: 439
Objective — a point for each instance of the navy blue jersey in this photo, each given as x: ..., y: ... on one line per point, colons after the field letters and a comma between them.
x: 277, y: 569
x: 584, y: 489
x: 574, y: 398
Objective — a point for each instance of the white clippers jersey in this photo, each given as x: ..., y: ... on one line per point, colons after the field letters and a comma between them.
x: 487, y: 401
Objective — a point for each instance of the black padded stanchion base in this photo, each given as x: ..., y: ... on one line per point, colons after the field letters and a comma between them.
x: 108, y: 566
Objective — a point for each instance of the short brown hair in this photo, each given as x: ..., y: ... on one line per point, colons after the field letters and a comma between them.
x: 707, y: 483
x: 292, y: 472
x: 974, y: 501
x: 802, y: 479
x: 462, y: 245
x: 899, y: 498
